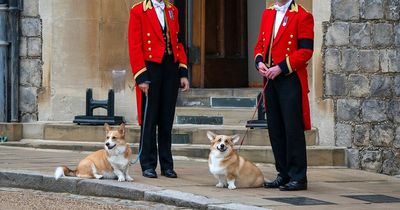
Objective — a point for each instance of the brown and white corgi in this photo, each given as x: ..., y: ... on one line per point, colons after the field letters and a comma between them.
x: 112, y: 162
x: 228, y: 167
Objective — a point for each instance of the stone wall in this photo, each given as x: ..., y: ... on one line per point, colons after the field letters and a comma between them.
x: 30, y: 61
x: 362, y: 76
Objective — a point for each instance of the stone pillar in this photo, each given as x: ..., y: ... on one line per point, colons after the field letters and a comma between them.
x: 30, y: 60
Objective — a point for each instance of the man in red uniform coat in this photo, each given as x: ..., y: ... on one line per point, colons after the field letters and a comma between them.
x: 284, y: 46
x: 159, y: 65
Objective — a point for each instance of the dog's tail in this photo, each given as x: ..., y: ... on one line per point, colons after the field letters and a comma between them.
x: 63, y: 171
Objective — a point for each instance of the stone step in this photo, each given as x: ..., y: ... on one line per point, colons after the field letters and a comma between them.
x: 213, y: 116
x: 233, y: 98
x: 316, y: 155
x: 181, y: 134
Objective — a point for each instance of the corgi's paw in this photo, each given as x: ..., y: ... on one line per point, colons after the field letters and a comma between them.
x: 231, y: 187
x: 129, y: 179
x: 98, y: 176
x: 121, y: 179
x: 220, y: 185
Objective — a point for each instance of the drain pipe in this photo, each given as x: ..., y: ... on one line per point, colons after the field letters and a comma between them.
x: 9, y: 60
x: 15, y: 8
x: 3, y: 61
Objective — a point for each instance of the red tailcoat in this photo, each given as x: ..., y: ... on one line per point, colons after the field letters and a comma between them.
x: 146, y: 42
x: 292, y: 47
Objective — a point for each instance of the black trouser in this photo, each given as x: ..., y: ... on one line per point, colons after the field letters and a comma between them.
x: 162, y: 95
x: 286, y: 127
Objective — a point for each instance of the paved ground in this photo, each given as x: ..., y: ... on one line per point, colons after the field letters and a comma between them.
x: 325, y: 184
x: 25, y: 199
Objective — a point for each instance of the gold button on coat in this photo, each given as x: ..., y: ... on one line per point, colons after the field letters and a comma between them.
x: 148, y: 34
x: 148, y: 42
x: 150, y: 56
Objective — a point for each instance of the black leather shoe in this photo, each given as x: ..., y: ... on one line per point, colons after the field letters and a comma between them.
x: 279, y: 181
x: 149, y: 173
x: 170, y: 173
x: 294, y: 186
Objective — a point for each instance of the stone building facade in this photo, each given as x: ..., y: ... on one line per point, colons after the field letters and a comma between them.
x: 362, y: 76
x: 354, y: 80
x: 30, y: 61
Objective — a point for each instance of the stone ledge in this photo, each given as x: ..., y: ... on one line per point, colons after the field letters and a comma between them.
x: 13, y: 131
x: 109, y: 188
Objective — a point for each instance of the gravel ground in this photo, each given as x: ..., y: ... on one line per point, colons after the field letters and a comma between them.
x: 23, y: 199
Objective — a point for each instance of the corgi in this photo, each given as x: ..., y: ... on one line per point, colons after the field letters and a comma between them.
x: 231, y: 169
x: 112, y: 162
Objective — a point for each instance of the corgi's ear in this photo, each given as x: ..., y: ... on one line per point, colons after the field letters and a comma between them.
x: 121, y: 129
x: 107, y: 127
x: 235, y: 139
x: 211, y: 135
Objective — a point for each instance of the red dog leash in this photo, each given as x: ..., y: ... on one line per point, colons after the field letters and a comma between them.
x: 254, y: 113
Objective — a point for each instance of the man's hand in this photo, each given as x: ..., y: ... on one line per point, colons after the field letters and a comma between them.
x: 185, y: 84
x: 262, y: 68
x: 273, y: 72
x: 144, y: 87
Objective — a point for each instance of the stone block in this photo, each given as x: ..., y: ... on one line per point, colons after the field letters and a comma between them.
x: 111, y: 188
x: 358, y: 85
x: 31, y: 8
x: 390, y: 61
x: 335, y: 85
x: 397, y: 35
x: 13, y: 131
x: 332, y: 60
x: 28, y: 99
x: 62, y: 185
x: 383, y: 35
x: 21, y: 180
x: 350, y: 60
x: 382, y: 135
x: 29, y: 117
x: 369, y: 60
x: 374, y: 111
x: 183, y: 199
x: 396, y: 142
x: 397, y: 85
x: 353, y: 158
x: 391, y: 166
x: 392, y: 10
x: 34, y: 47
x: 343, y: 135
x: 360, y: 34
x: 23, y: 47
x: 348, y: 110
x: 394, y: 111
x: 361, y: 135
x: 338, y: 34
x: 345, y: 10
x: 31, y: 72
x: 372, y: 9
x: 371, y: 160
x: 31, y: 27
x: 381, y: 85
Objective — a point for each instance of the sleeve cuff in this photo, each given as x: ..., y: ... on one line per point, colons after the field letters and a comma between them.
x: 258, y: 59
x: 183, y: 72
x: 142, y: 76
x: 285, y: 66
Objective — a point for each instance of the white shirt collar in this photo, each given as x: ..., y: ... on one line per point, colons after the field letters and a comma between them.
x: 157, y: 4
x: 284, y: 7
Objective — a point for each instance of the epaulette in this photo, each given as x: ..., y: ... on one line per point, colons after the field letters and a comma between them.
x: 270, y: 6
x: 304, y: 8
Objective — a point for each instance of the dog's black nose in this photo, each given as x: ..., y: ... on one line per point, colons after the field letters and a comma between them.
x: 107, y: 144
x: 222, y: 146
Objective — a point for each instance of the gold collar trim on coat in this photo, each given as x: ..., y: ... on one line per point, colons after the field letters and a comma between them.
x: 294, y: 7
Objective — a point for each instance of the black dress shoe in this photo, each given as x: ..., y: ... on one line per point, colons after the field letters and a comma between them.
x: 294, y: 186
x: 149, y: 173
x: 170, y: 173
x: 279, y: 181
